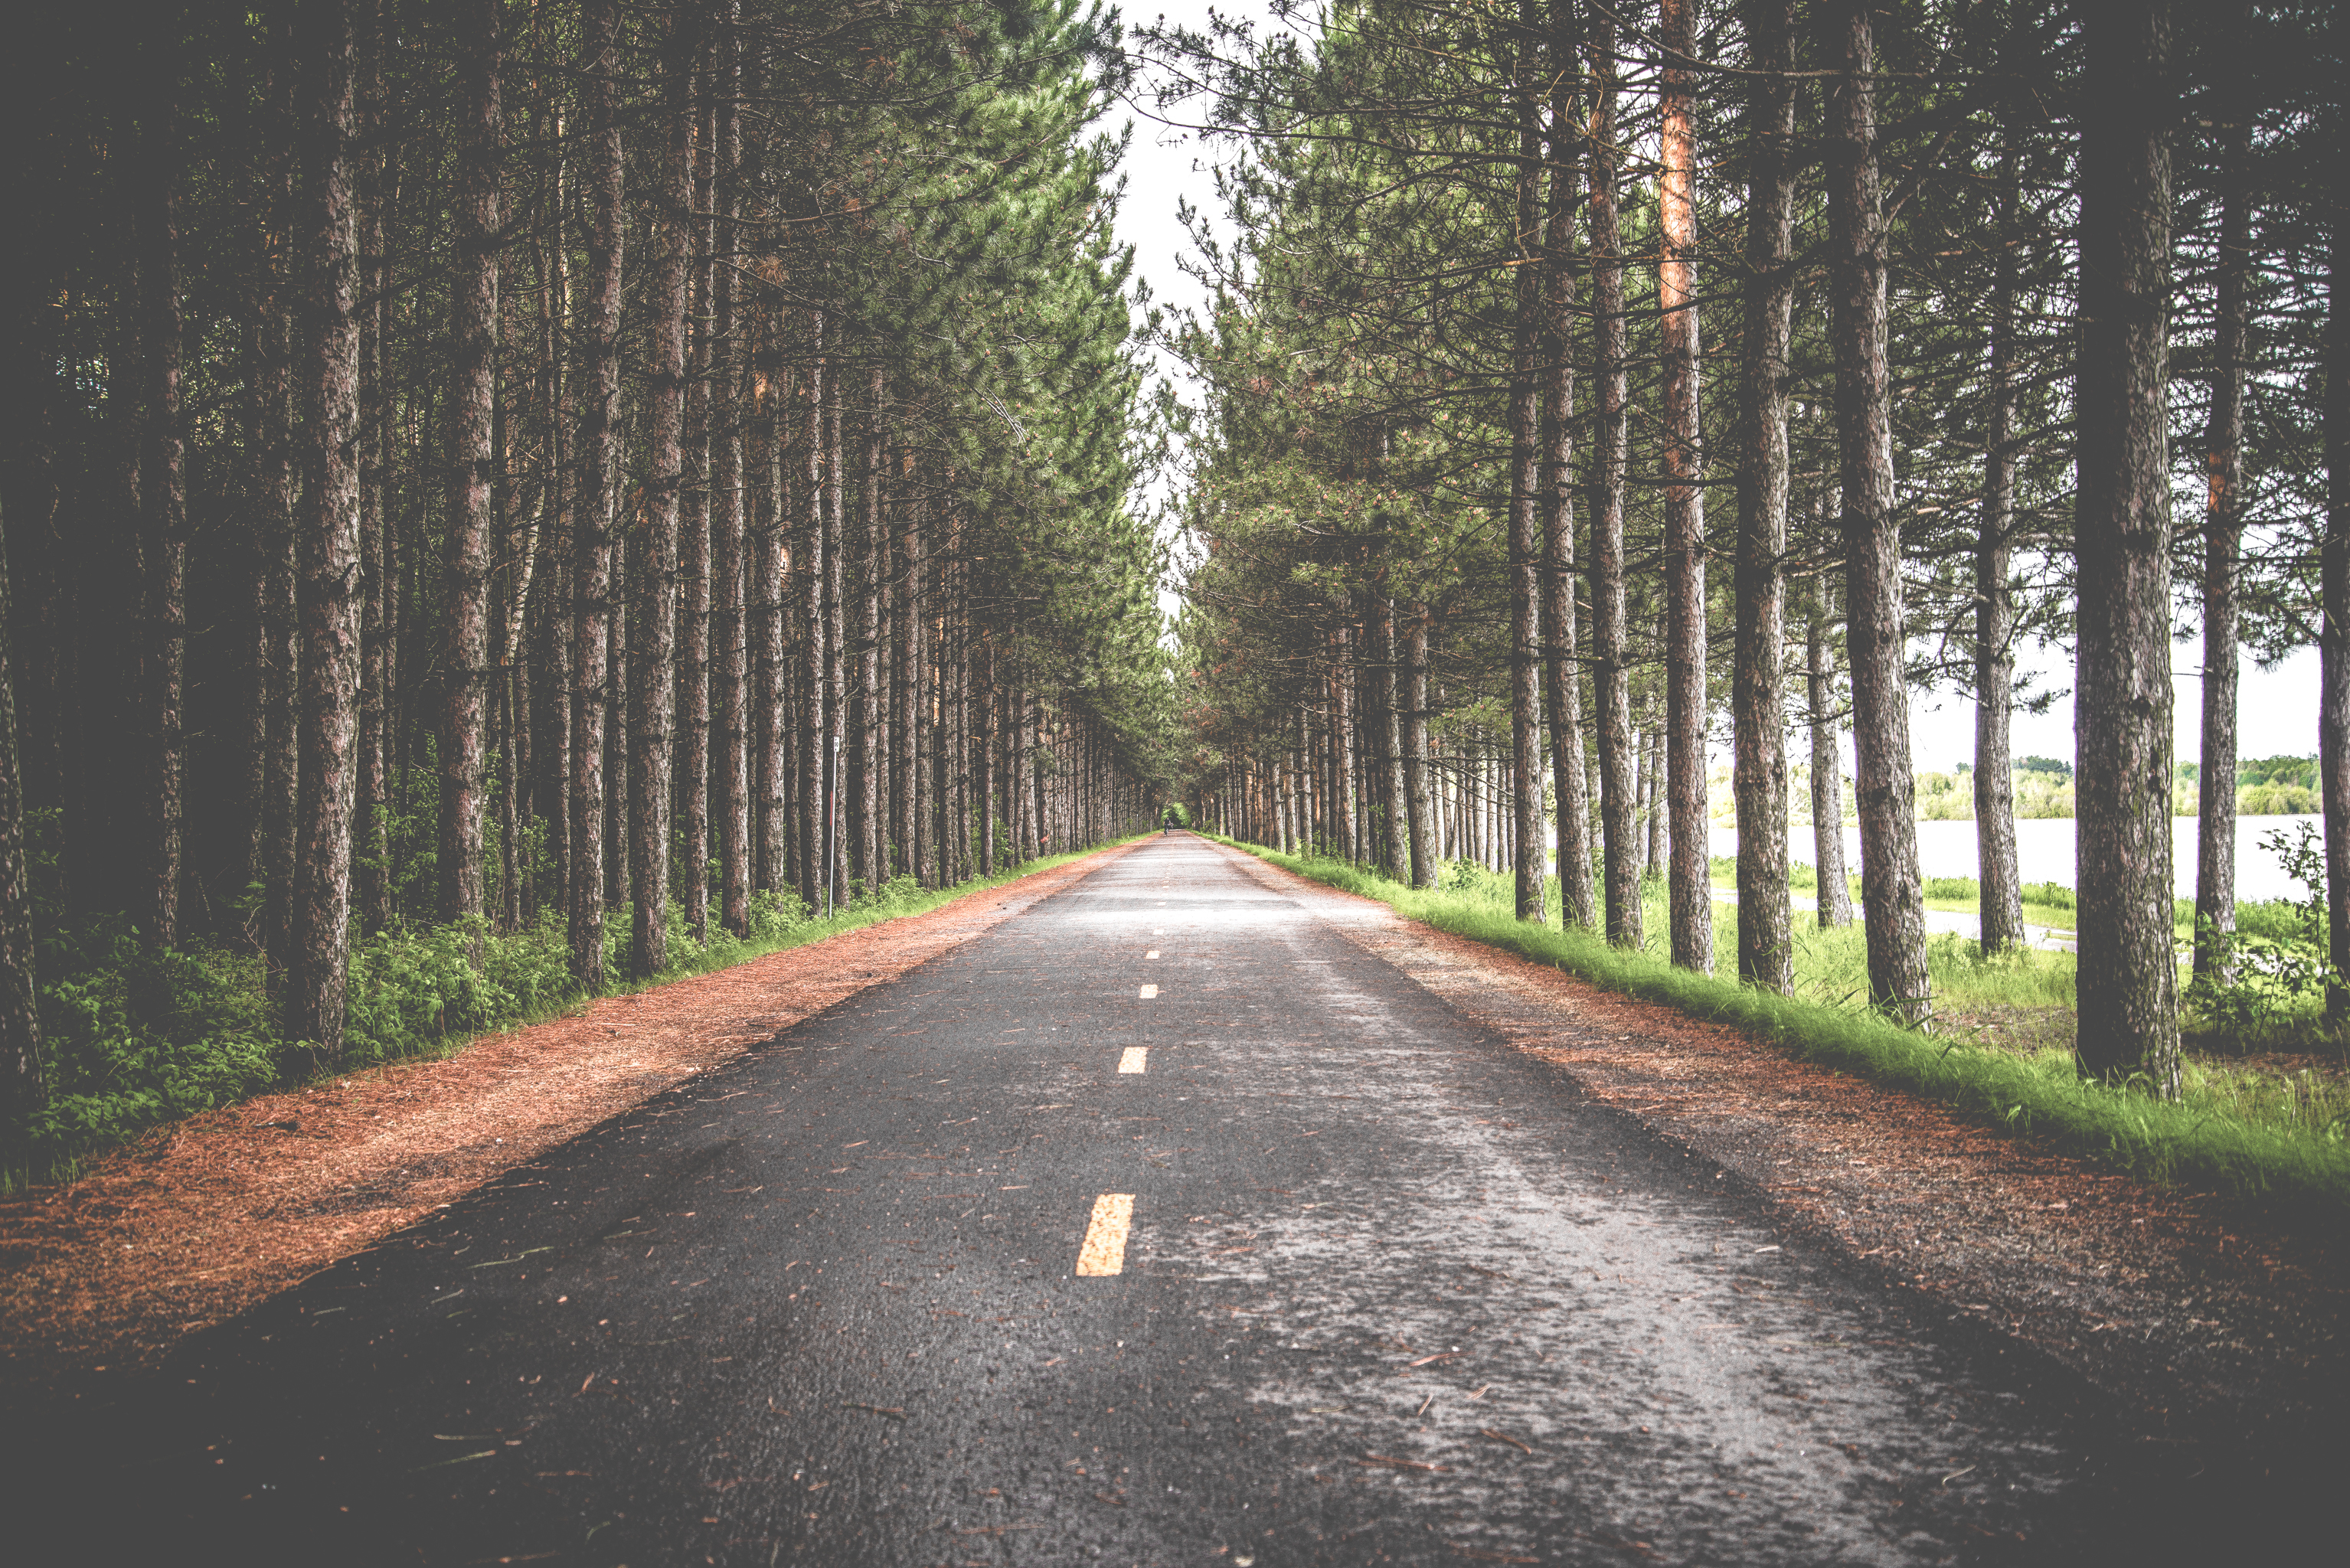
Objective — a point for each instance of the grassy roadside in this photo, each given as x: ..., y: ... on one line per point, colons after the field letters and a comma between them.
x: 135, y: 1039
x: 2266, y: 1149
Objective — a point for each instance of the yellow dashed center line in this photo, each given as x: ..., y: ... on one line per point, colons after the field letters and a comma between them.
x: 1148, y: 992
x: 1134, y: 1059
x: 1104, y: 1251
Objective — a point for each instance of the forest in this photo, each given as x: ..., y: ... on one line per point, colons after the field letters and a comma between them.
x: 1589, y: 389
x: 509, y: 500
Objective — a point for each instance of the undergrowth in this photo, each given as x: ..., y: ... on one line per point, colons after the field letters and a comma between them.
x: 132, y: 1036
x: 2244, y: 1135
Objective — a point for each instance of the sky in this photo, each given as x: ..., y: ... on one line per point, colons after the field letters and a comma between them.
x: 2277, y: 711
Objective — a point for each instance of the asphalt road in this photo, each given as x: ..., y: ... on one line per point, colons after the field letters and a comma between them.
x: 1011, y: 1260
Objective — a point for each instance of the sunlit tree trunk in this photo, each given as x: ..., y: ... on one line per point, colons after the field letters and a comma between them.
x: 1892, y: 896
x: 1691, y: 891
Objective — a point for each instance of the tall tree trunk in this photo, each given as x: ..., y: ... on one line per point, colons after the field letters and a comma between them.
x: 1525, y: 482
x: 1692, y: 897
x: 1417, y: 792
x: 1619, y: 804
x: 652, y: 694
x: 591, y: 573
x: 1891, y: 894
x: 770, y: 574
x: 2128, y: 977
x: 864, y: 806
x: 328, y: 539
x: 164, y: 489
x: 2334, y: 649
x: 1561, y: 695
x: 1835, y: 898
x: 473, y: 413
x: 1766, y: 940
x: 2223, y: 533
x: 23, y: 1087
x: 905, y: 677
x: 1999, y: 872
x: 693, y: 565
x: 378, y: 620
x: 732, y: 774
x: 813, y: 685
x: 1398, y: 795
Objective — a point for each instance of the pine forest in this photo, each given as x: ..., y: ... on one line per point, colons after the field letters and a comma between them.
x: 509, y: 500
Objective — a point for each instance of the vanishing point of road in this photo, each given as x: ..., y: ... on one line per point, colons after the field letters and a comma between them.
x: 1159, y: 1224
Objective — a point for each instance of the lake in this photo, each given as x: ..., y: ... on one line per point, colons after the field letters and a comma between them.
x: 2045, y: 849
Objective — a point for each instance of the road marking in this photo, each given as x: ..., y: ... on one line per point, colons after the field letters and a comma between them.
x: 1135, y: 1059
x: 1104, y: 1251
x: 1151, y: 954
x: 1148, y: 992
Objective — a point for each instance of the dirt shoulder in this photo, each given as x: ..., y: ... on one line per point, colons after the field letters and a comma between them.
x: 202, y: 1219
x: 2188, y: 1312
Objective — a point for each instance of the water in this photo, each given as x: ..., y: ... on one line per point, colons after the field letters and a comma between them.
x: 2043, y: 848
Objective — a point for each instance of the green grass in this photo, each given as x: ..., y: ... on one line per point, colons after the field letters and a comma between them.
x: 133, y: 1038
x: 2244, y: 1135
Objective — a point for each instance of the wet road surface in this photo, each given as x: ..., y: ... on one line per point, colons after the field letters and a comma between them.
x: 1159, y: 1224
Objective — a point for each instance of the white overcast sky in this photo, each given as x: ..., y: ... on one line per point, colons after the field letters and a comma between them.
x: 2278, y: 711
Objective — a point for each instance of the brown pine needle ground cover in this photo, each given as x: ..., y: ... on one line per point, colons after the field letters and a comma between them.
x: 203, y: 1218
x: 2186, y: 1309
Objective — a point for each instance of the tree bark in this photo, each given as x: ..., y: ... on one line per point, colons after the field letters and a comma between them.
x: 591, y: 571
x: 328, y: 540
x: 2128, y: 978
x: 653, y: 560
x: 1891, y: 894
x: 1999, y: 872
x: 473, y: 413
x: 1766, y: 942
x: 24, y: 1089
x: 732, y: 774
x: 379, y: 613
x: 2334, y: 651
x: 1692, y: 894
x: 813, y: 685
x: 694, y: 564
x: 1415, y: 748
x: 865, y: 813
x: 1619, y: 803
x: 770, y: 573
x: 163, y: 492
x: 1835, y: 898
x: 1525, y: 484
x: 1562, y: 695
x: 2223, y: 533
